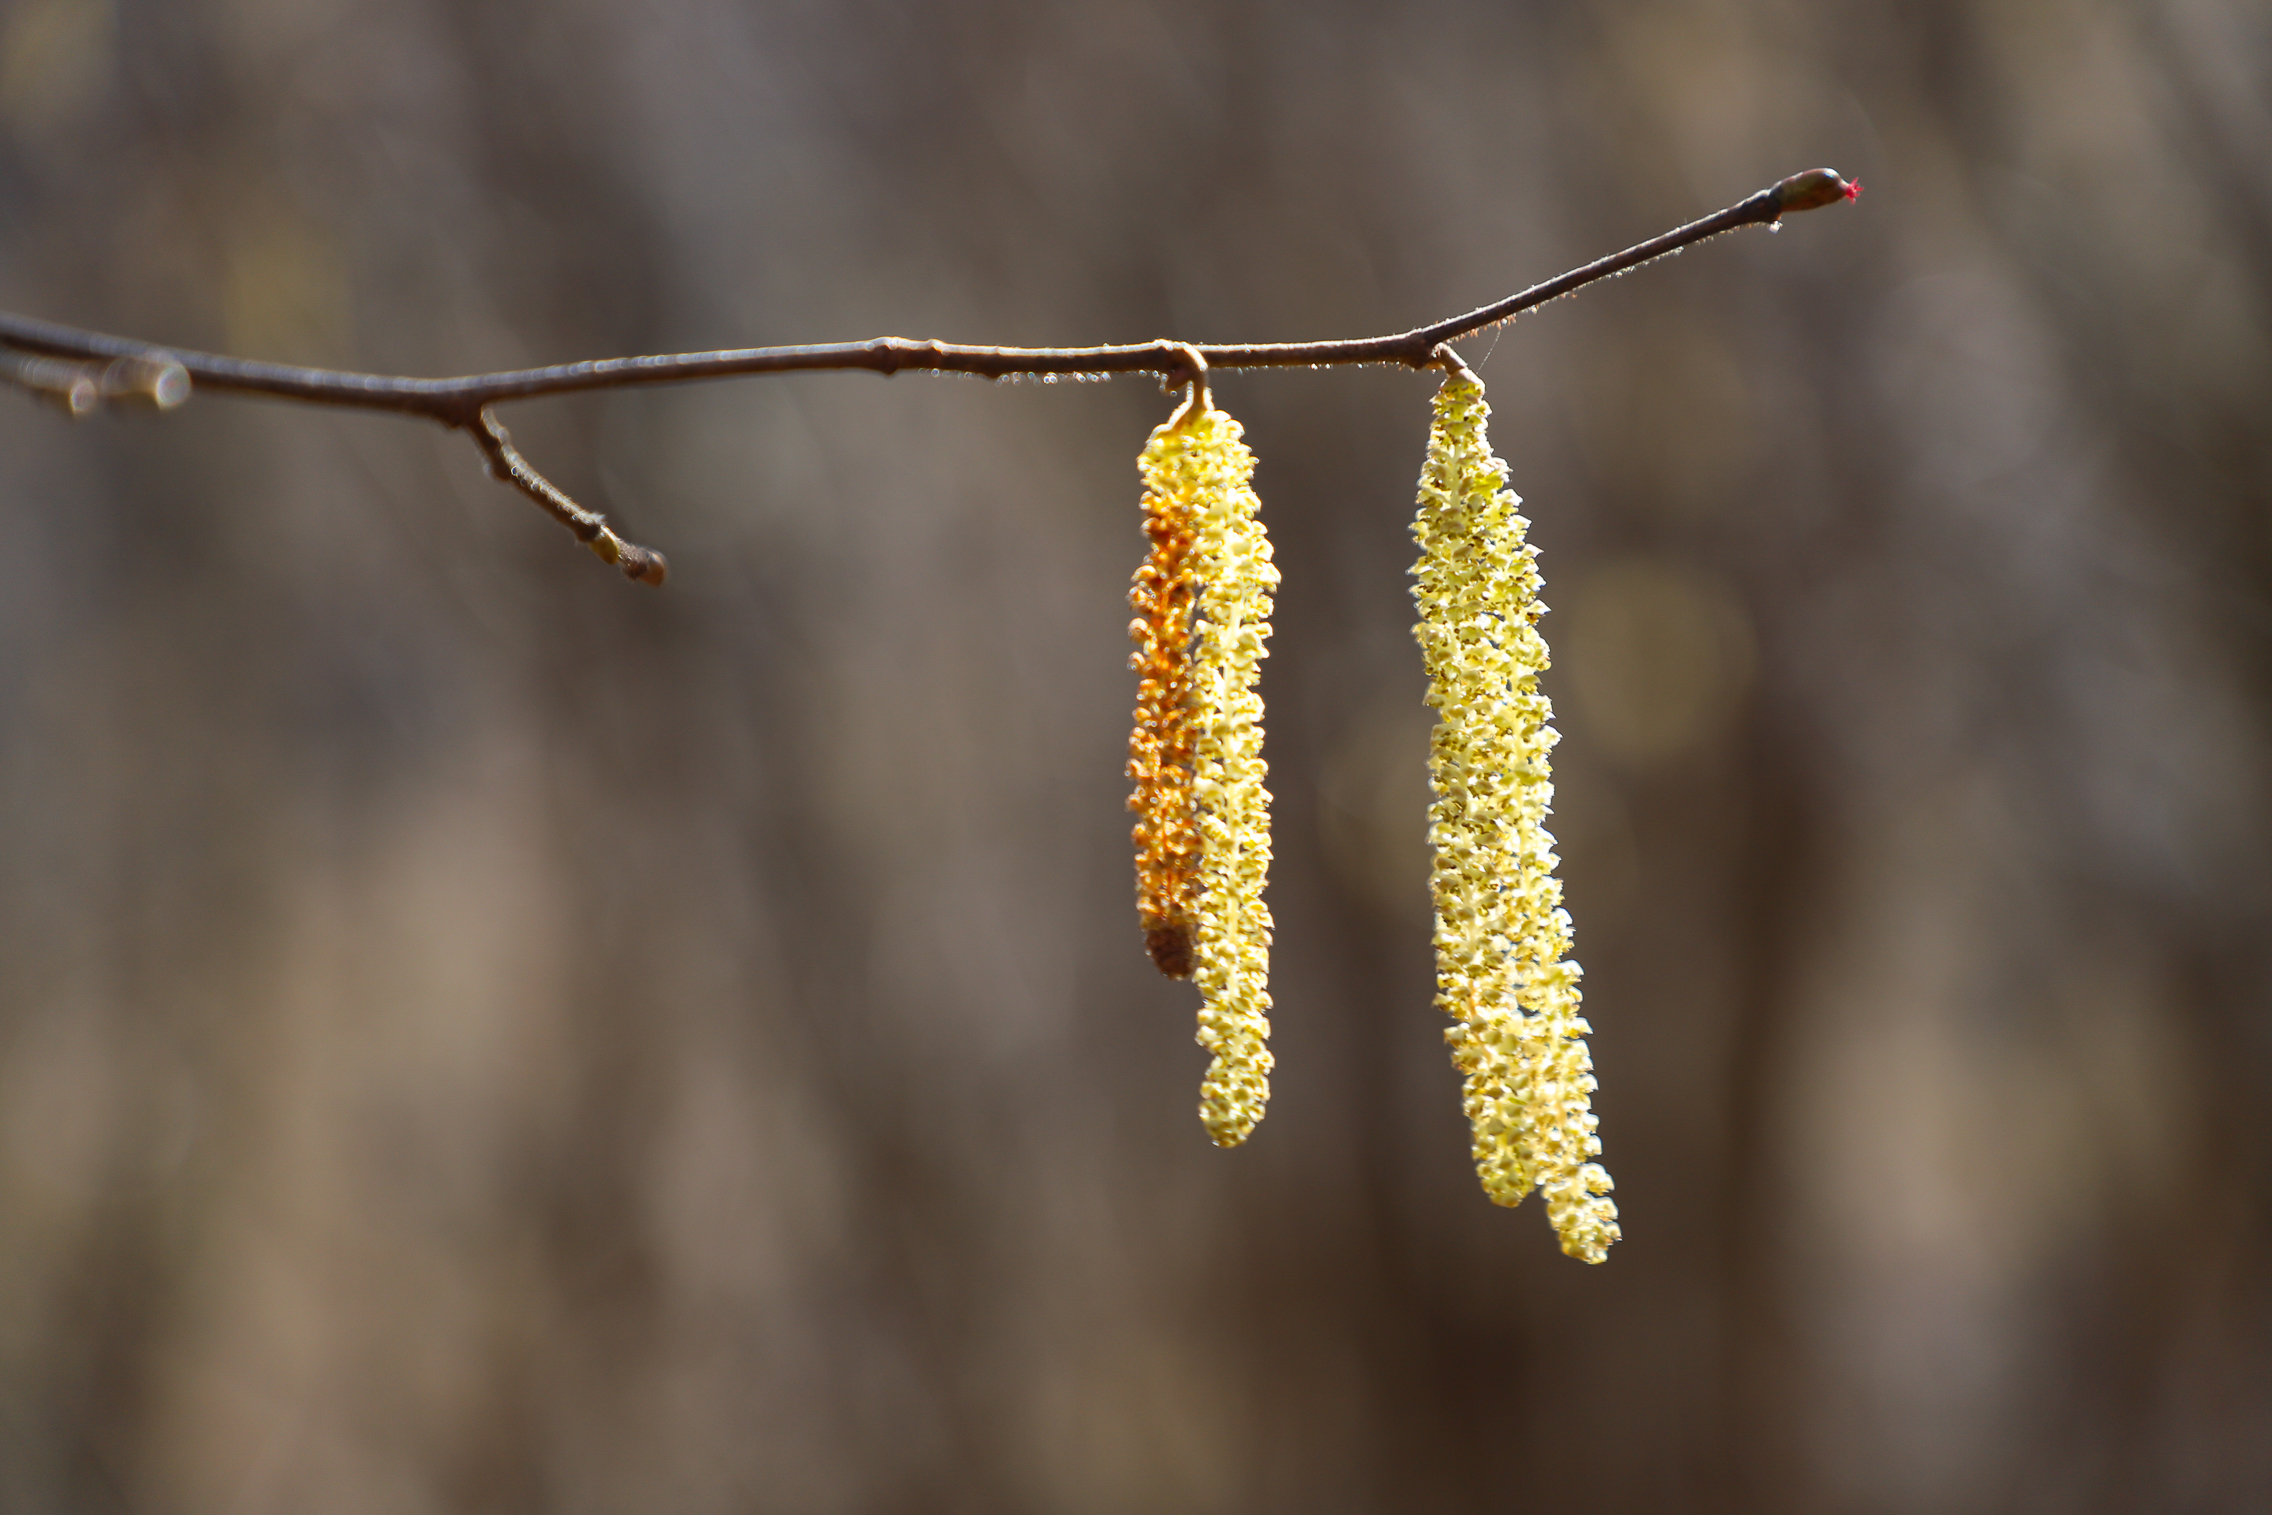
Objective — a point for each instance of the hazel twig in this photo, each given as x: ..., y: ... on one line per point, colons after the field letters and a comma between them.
x: 463, y: 403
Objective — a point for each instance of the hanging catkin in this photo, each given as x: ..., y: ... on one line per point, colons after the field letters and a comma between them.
x: 1502, y: 937
x: 1159, y: 749
x: 1203, y: 818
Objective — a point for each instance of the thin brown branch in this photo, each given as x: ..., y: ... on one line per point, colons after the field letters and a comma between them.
x: 464, y: 402
x: 507, y: 466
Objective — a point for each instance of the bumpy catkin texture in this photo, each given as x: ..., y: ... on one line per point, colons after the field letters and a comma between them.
x: 1159, y: 748
x: 1502, y: 936
x: 1196, y: 488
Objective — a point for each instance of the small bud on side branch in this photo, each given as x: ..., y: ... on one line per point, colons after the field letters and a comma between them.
x: 79, y: 369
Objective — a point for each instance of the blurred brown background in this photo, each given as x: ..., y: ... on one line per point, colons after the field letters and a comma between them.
x: 479, y: 1036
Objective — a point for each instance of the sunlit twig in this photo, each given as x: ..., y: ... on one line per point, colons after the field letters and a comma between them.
x: 80, y: 369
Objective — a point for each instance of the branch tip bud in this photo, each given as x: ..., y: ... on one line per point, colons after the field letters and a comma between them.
x: 644, y: 565
x: 1812, y: 190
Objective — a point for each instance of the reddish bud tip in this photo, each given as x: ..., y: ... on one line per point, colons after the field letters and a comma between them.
x: 1812, y: 190
x: 1854, y: 189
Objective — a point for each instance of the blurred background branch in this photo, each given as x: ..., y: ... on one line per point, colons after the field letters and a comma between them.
x: 81, y: 387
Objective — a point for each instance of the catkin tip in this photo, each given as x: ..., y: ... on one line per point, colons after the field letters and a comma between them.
x: 1170, y: 948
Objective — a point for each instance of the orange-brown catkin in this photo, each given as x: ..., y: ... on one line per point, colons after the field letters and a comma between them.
x: 1159, y: 749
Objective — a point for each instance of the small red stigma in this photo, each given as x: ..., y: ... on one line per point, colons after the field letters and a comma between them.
x: 1853, y: 189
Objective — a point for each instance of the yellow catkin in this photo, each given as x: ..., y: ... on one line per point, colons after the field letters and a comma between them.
x: 1502, y: 936
x: 1196, y: 694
